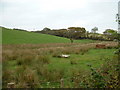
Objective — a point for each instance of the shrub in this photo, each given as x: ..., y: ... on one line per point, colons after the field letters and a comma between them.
x: 107, y: 76
x: 97, y: 79
x: 79, y: 77
x: 110, y: 70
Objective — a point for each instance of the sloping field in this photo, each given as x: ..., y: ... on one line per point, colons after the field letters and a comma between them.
x: 10, y: 36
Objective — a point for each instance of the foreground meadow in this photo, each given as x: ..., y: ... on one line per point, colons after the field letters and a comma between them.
x: 39, y: 65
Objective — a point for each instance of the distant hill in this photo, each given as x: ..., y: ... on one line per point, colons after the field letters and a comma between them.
x: 10, y: 36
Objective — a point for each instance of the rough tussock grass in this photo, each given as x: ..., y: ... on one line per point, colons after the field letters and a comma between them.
x: 36, y: 65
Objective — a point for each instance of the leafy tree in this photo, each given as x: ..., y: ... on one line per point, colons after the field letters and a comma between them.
x: 46, y: 29
x: 94, y: 30
x: 76, y: 33
x: 109, y: 31
x: 110, y: 34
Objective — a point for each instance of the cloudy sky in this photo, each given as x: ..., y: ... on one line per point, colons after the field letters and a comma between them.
x: 58, y: 14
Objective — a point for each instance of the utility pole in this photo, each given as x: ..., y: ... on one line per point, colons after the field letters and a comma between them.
x: 118, y: 17
x: 119, y: 31
x: 118, y: 20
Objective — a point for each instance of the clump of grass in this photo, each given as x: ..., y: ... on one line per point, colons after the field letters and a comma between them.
x: 53, y: 75
x: 42, y: 70
x: 7, y: 74
x: 10, y: 55
x: 42, y: 59
x: 77, y: 51
x: 7, y: 77
x: 73, y: 62
x: 49, y: 75
x: 25, y: 60
x: 51, y: 51
x: 56, y: 53
x: 67, y: 51
x: 111, y: 47
x: 83, y: 51
x: 56, y: 75
x: 27, y: 78
x: 71, y: 50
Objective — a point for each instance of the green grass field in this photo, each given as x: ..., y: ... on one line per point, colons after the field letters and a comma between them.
x: 31, y: 60
x: 93, y: 57
x: 10, y: 36
x: 64, y: 66
x: 38, y: 65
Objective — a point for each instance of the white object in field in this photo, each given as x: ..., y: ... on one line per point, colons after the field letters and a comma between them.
x: 10, y: 85
x: 65, y: 56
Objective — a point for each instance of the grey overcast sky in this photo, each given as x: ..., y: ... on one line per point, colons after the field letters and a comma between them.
x: 58, y: 14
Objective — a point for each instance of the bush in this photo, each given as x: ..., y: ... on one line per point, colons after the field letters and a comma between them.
x: 110, y: 70
x: 107, y: 76
x: 97, y: 79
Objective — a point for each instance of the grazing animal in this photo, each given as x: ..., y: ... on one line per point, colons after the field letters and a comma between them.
x: 100, y: 46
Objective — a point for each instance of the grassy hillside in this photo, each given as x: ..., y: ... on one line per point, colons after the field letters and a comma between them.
x: 10, y: 36
x: 0, y: 35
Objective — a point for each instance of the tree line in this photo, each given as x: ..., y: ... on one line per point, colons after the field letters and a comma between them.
x: 74, y: 33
